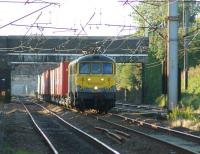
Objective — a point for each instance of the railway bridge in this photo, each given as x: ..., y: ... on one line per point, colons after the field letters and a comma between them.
x: 30, y: 55
x: 53, y: 49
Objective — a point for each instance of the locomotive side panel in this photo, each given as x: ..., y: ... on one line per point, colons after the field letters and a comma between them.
x: 71, y: 82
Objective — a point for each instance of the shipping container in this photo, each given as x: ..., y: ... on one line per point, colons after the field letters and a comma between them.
x: 45, y: 85
x: 52, y: 83
x: 61, y: 79
x: 56, y: 84
x: 42, y: 84
x: 39, y: 85
x: 47, y: 82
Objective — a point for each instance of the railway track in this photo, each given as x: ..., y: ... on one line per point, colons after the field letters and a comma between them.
x: 181, y: 142
x: 150, y: 107
x: 114, y: 137
x: 61, y: 136
x: 148, y: 113
x: 123, y: 130
x: 140, y: 109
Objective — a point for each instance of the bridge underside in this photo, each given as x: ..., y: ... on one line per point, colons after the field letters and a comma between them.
x: 14, y: 58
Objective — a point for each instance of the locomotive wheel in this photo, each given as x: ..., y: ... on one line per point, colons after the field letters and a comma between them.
x: 100, y: 111
x: 106, y: 109
x: 80, y: 105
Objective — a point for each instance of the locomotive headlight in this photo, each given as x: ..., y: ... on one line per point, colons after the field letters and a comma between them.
x: 3, y: 79
x: 95, y: 87
x: 89, y: 79
x: 102, y: 79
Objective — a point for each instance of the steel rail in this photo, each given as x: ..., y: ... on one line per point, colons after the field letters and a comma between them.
x: 140, y: 106
x: 105, y: 148
x: 163, y: 129
x: 182, y: 149
x: 136, y: 111
x: 40, y: 131
x: 158, y: 114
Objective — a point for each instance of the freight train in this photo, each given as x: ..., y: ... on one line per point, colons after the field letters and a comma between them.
x: 85, y: 83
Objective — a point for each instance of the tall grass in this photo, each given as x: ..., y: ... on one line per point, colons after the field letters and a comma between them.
x: 190, y: 98
x: 189, y: 104
x: 183, y: 113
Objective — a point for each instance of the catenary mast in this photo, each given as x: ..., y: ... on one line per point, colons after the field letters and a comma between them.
x: 172, y: 54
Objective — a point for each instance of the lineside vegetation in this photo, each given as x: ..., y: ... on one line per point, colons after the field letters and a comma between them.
x: 151, y: 16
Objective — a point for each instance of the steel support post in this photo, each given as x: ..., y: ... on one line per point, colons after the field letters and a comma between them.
x: 186, y: 27
x: 172, y: 54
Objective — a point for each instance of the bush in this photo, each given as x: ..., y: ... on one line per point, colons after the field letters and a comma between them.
x: 196, y: 103
x: 161, y: 101
x: 192, y: 101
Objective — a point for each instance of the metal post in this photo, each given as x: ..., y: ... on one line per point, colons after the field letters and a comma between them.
x: 125, y: 94
x: 172, y: 54
x: 186, y: 27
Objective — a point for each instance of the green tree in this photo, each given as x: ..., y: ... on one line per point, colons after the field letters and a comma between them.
x: 128, y: 76
x: 151, y: 16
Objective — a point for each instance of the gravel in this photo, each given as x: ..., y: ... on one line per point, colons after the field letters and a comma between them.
x: 18, y: 137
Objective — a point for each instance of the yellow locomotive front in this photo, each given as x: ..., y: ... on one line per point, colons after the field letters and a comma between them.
x: 93, y: 82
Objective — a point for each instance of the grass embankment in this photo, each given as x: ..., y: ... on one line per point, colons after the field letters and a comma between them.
x: 189, y: 106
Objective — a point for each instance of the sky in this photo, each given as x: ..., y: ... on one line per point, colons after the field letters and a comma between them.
x: 77, y: 17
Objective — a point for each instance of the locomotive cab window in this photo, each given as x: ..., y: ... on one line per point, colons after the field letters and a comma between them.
x: 84, y: 68
x: 95, y: 68
x: 107, y: 68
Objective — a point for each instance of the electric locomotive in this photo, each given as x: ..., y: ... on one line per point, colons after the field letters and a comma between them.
x: 91, y: 82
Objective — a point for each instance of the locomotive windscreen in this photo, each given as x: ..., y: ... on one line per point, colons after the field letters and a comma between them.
x: 95, y: 68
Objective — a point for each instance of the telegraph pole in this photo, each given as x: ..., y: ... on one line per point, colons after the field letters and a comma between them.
x: 172, y: 54
x: 186, y: 15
